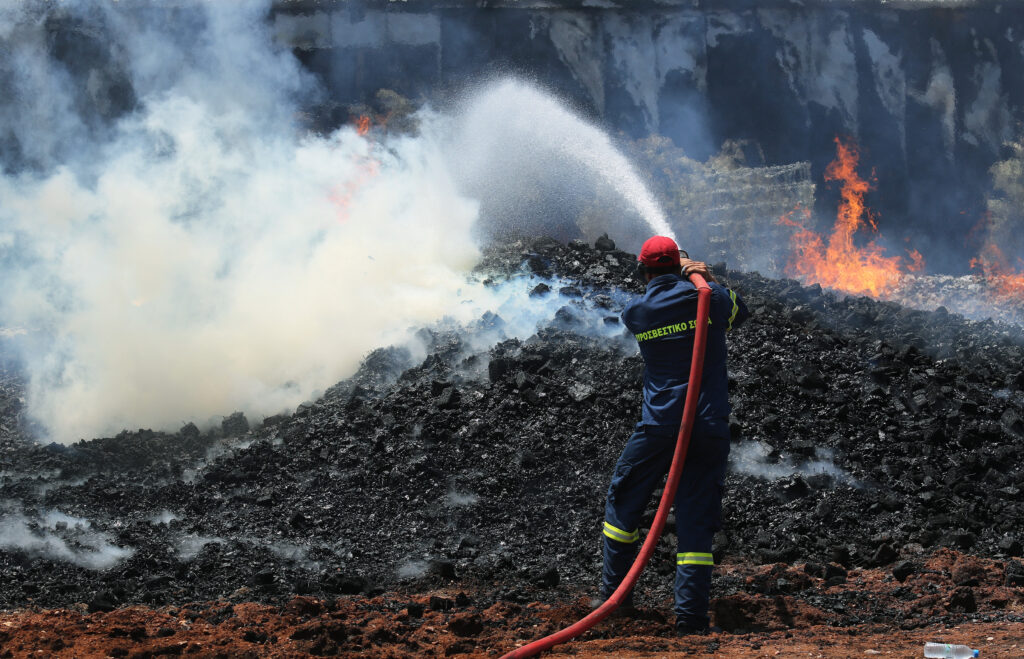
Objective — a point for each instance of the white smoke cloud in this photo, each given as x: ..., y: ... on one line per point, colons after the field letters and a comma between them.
x: 412, y: 568
x: 265, y: 281
x: 60, y: 537
x: 189, y: 546
x: 212, y: 257
x: 202, y: 252
x: 754, y: 459
x: 163, y: 517
x: 940, y: 94
x: 457, y: 499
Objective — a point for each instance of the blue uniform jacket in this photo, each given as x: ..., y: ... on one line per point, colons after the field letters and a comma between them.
x: 663, y: 320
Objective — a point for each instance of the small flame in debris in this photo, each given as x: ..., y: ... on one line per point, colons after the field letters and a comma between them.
x: 1005, y: 280
x: 839, y: 263
x: 367, y: 167
x: 977, y: 237
x: 342, y: 194
x: 363, y: 124
x: 916, y: 261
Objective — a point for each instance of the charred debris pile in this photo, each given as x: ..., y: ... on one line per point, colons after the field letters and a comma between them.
x: 865, y: 434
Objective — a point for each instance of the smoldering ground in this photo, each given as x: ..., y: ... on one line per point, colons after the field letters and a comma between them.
x: 482, y: 461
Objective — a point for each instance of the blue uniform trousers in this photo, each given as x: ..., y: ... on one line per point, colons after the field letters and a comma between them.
x: 698, y: 506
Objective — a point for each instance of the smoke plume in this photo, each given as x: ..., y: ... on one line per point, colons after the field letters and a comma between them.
x: 60, y: 537
x: 177, y: 244
x: 203, y: 253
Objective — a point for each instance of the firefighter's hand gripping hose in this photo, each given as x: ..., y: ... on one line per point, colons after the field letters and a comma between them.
x: 675, y: 471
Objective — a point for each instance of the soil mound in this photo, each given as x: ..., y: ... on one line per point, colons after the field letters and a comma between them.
x: 866, y: 435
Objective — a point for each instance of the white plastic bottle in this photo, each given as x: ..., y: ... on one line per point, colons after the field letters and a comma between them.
x: 947, y: 651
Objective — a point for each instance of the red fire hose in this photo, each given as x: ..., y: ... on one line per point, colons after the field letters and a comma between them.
x: 674, y: 472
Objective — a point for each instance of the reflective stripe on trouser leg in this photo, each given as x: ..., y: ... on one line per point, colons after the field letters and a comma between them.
x: 698, y: 516
x: 695, y: 558
x: 620, y: 535
x: 619, y: 553
x: 639, y: 470
x: 693, y: 587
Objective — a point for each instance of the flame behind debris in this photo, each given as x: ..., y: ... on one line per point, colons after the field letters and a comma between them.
x: 362, y: 125
x: 916, y: 261
x: 1005, y: 280
x: 365, y: 168
x: 839, y: 263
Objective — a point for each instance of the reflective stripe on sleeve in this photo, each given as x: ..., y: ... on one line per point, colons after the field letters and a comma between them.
x: 619, y: 535
x: 735, y: 308
x: 694, y: 558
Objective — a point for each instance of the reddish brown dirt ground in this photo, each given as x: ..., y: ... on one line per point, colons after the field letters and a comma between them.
x: 447, y: 624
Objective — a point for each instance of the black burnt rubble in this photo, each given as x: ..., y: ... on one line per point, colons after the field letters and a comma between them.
x: 865, y: 435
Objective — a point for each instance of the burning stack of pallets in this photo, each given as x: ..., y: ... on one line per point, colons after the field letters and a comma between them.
x: 740, y: 209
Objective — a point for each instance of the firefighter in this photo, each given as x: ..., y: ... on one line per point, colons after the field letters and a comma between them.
x: 663, y: 321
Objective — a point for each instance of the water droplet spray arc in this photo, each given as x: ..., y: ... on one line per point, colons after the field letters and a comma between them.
x: 512, y: 134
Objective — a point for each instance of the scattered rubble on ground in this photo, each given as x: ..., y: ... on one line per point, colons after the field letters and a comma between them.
x: 875, y: 486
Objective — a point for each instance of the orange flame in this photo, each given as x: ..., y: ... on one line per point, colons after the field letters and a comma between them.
x: 978, y: 234
x: 343, y: 194
x: 840, y: 264
x: 367, y: 167
x: 1007, y: 281
x: 916, y: 261
x: 363, y: 124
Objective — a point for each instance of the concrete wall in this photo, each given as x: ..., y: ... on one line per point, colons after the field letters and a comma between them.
x: 931, y: 90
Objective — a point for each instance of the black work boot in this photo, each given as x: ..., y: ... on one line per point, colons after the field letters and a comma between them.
x: 686, y: 629
x: 623, y: 610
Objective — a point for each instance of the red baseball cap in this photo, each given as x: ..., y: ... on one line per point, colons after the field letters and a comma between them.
x: 658, y: 252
